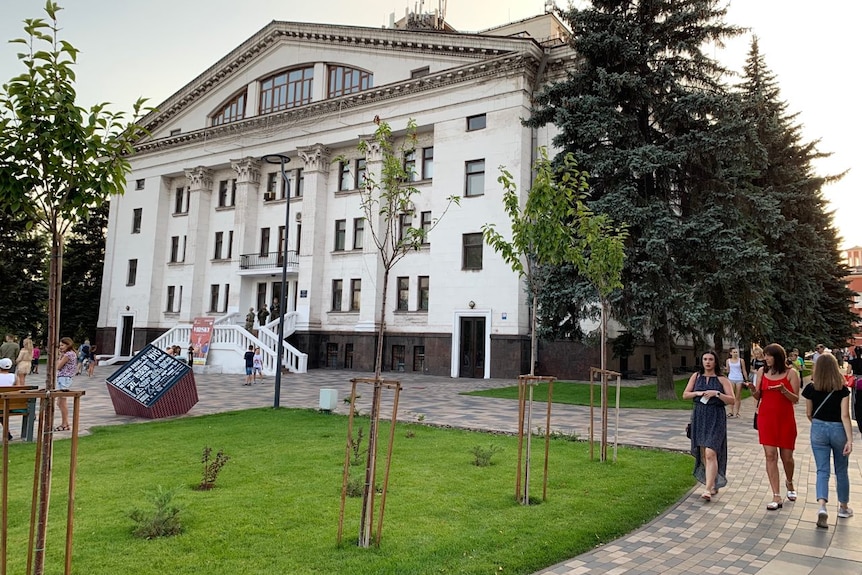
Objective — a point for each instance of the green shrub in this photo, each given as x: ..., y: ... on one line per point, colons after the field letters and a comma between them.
x: 482, y: 456
x: 161, y: 520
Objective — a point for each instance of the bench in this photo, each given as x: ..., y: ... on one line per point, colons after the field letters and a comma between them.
x: 23, y: 406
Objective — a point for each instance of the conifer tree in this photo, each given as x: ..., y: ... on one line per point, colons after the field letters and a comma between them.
x: 806, y: 296
x: 643, y: 113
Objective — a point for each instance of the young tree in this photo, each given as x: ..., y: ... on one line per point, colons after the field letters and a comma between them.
x: 385, y: 195
x: 555, y: 227
x: 639, y: 113
x: 58, y: 162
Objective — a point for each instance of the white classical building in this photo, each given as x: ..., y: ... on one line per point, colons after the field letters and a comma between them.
x: 200, y: 229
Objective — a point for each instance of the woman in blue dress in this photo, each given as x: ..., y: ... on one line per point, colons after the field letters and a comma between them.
x: 710, y: 393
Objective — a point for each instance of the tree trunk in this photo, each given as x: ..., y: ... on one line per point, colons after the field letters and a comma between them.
x: 664, y: 372
x: 534, y: 339
x: 55, y: 284
x: 367, y: 511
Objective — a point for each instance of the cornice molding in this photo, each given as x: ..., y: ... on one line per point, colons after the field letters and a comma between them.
x: 500, y: 66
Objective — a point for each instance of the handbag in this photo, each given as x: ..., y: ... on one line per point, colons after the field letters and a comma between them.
x: 755, y: 420
x: 688, y: 431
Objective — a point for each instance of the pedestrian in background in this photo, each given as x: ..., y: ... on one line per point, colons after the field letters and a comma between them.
x: 855, y: 365
x: 737, y: 375
x: 67, y: 365
x: 9, y: 349
x: 828, y: 410
x: 24, y: 361
x: 37, y: 353
x: 249, y: 319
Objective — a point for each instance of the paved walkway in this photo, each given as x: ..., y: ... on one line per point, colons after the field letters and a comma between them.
x: 733, y: 534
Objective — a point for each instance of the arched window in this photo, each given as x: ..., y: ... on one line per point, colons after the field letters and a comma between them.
x: 286, y: 90
x: 232, y: 111
x: 344, y: 80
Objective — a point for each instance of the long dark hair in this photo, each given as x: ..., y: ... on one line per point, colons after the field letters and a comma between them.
x: 779, y: 357
x: 717, y: 365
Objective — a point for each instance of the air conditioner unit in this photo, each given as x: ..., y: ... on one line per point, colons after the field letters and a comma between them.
x: 268, y: 196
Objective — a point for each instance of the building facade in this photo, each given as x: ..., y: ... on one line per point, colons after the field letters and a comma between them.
x: 853, y: 258
x: 200, y: 230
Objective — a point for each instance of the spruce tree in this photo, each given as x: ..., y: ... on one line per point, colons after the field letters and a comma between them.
x: 646, y: 115
x: 806, y: 295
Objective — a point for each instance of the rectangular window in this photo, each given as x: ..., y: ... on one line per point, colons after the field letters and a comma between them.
x: 297, y: 237
x: 404, y: 223
x: 355, y: 294
x: 419, y: 72
x: 136, y: 220
x: 226, y: 297
x: 340, y: 234
x: 427, y: 163
x: 397, y: 358
x: 425, y: 224
x: 176, y: 131
x: 181, y: 202
x: 261, y: 295
x: 471, y: 257
x: 281, y: 247
x: 139, y: 184
x: 230, y: 244
x: 300, y: 183
x: 476, y: 122
x: 424, y: 289
x: 264, y: 242
x: 403, y: 293
x: 419, y: 358
x: 345, y: 181
x: 410, y: 166
x: 132, y: 275
x: 219, y: 240
x: 185, y: 242
x: 358, y: 233
x: 227, y: 193
x: 175, y: 249
x: 360, y: 174
x: 169, y: 306
x: 214, y: 297
x: 474, y: 180
x: 337, y: 289
x: 272, y: 187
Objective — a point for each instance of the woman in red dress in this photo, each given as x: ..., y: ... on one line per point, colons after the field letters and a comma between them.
x: 778, y: 391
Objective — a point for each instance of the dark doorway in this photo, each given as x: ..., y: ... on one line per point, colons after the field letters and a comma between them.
x: 472, y: 347
x: 126, y: 337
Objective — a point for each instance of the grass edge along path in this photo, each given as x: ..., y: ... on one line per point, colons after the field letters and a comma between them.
x: 275, y: 505
x: 578, y: 393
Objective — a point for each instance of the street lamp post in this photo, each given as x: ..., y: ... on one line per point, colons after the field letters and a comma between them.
x: 282, y: 160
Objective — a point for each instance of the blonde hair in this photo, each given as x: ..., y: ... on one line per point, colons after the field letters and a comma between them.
x: 757, y: 350
x: 827, y: 376
x: 28, y: 344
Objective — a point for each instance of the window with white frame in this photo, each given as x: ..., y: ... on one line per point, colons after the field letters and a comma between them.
x: 474, y: 178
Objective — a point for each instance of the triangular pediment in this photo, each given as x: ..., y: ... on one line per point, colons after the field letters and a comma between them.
x: 394, y: 57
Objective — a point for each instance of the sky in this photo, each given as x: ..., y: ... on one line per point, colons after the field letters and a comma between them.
x: 152, y: 48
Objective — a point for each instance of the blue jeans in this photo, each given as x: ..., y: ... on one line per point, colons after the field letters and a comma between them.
x: 828, y: 437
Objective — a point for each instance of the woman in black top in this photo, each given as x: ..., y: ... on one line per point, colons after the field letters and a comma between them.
x: 828, y: 409
x: 855, y: 400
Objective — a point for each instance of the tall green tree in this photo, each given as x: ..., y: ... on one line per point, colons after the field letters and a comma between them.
x: 641, y: 112
x: 806, y: 296
x: 22, y: 266
x: 82, y: 275
x: 58, y: 161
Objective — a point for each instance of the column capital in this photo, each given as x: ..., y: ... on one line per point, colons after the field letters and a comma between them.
x: 247, y: 170
x: 373, y: 149
x: 200, y: 179
x: 315, y: 158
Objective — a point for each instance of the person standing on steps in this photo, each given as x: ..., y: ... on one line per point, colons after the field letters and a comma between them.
x: 249, y: 319
x: 710, y: 392
x: 828, y: 410
x: 778, y: 391
x: 262, y: 314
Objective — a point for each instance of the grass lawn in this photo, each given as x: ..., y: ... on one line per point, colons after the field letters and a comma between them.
x: 275, y: 506
x: 572, y: 393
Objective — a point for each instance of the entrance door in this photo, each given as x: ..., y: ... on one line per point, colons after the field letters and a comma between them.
x: 472, y: 347
x: 126, y: 336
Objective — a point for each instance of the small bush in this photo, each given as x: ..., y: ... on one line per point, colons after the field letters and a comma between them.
x: 212, y: 467
x: 162, y: 520
x: 482, y: 456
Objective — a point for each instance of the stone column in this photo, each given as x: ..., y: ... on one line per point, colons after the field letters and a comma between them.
x: 372, y: 277
x: 200, y: 181
x: 245, y: 217
x: 315, y: 164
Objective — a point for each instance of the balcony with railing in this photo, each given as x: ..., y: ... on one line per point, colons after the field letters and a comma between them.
x: 269, y: 263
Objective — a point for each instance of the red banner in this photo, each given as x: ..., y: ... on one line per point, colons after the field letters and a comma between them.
x: 202, y: 331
